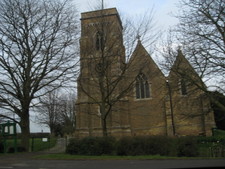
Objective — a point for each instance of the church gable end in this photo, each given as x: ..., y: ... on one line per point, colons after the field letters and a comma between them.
x: 191, y: 109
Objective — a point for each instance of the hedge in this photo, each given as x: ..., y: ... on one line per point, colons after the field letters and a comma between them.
x: 132, y: 146
x: 187, y: 147
x: 92, y: 146
x: 1, y: 147
x: 145, y: 146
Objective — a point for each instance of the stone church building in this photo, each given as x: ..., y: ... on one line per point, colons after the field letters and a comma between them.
x: 121, y: 96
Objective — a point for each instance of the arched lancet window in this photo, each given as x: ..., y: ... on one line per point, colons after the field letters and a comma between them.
x: 99, y: 41
x: 142, y: 87
x: 183, y: 87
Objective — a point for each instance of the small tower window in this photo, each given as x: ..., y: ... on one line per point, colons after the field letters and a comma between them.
x: 142, y: 87
x: 183, y: 86
x: 99, y: 41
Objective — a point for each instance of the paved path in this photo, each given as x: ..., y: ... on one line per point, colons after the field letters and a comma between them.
x: 59, y: 148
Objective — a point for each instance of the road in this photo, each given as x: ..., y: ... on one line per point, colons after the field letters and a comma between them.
x: 26, y: 161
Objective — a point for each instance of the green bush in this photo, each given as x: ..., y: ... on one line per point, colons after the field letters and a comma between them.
x: 218, y: 138
x: 219, y: 133
x: 159, y: 145
x: 155, y: 145
x: 107, y: 145
x: 73, y: 147
x: 1, y: 148
x: 187, y: 147
x: 19, y: 149
x: 92, y: 146
x: 124, y: 146
x: 133, y: 146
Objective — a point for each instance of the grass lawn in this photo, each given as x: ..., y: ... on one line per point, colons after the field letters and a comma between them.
x: 39, y: 145
x: 36, y: 144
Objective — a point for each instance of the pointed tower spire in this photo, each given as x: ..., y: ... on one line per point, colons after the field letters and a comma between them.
x: 179, y: 51
x: 138, y: 38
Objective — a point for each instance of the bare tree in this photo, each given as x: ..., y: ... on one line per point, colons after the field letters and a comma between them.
x: 201, y: 35
x: 38, y: 53
x: 104, y: 80
x: 201, y: 29
x: 57, y: 111
x: 49, y: 111
x: 201, y: 32
x: 68, y: 118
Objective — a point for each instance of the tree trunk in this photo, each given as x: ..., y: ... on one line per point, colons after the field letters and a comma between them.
x: 25, y: 131
x: 103, y: 118
x: 104, y: 127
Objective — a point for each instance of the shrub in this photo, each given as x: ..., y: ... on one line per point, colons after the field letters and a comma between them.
x: 92, y: 146
x: 73, y: 147
x: 124, y: 146
x: 132, y: 146
x: 1, y: 148
x: 107, y: 145
x: 19, y: 149
x: 155, y: 145
x: 212, y: 140
x: 187, y: 147
x: 89, y: 146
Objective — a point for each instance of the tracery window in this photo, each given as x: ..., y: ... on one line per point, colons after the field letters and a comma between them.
x: 142, y: 87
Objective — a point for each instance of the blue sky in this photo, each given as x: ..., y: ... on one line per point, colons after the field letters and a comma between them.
x: 163, y: 8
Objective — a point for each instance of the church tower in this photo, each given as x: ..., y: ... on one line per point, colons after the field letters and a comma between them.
x: 102, y: 56
x: 101, y: 39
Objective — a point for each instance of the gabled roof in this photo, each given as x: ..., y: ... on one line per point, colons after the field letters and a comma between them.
x: 182, y: 65
x: 183, y: 69
x: 139, y: 55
